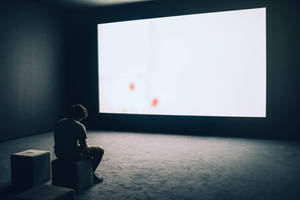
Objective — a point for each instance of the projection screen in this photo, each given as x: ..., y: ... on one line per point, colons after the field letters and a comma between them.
x: 211, y: 64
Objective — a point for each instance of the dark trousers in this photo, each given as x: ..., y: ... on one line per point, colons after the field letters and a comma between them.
x: 92, y: 152
x: 95, y: 154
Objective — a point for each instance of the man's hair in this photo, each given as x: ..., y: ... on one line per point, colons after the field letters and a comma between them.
x: 78, y: 111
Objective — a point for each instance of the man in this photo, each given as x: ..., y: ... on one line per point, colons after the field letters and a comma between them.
x: 70, y: 139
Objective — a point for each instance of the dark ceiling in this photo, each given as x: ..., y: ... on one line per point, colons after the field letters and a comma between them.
x: 88, y: 3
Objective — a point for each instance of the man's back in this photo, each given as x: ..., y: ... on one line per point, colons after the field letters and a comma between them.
x: 67, y: 132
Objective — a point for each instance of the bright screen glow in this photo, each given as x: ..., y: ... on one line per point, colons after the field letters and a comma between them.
x: 211, y: 64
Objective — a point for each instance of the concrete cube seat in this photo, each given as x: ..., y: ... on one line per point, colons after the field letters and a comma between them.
x: 77, y: 175
x: 47, y: 192
x: 30, y: 168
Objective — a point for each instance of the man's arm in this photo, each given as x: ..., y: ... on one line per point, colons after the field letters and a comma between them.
x: 83, y: 148
x: 82, y: 138
x: 82, y: 142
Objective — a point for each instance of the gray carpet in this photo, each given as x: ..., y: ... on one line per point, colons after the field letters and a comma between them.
x: 154, y: 166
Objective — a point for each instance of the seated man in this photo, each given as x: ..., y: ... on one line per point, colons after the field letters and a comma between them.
x: 70, y: 139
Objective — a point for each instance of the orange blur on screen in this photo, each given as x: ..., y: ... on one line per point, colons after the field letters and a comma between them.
x: 131, y: 86
x: 154, y: 102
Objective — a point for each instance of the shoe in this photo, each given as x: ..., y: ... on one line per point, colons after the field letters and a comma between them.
x: 97, y: 179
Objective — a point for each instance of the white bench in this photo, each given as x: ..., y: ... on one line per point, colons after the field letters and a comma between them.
x: 77, y: 175
x: 30, y: 168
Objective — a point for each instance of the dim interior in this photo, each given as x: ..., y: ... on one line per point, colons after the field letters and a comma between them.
x: 158, y: 145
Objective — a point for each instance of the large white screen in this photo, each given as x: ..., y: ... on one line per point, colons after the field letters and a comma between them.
x: 210, y: 64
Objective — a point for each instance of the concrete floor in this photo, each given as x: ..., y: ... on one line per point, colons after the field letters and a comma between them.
x: 156, y: 166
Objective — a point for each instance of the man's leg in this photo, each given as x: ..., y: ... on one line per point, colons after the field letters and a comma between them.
x: 96, y: 154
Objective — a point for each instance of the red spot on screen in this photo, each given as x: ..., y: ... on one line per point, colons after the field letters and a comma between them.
x: 154, y: 102
x: 131, y: 86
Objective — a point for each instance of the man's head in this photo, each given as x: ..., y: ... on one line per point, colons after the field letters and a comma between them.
x: 78, y: 112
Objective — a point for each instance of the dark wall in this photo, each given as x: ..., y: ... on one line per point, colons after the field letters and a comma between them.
x: 283, y: 68
x: 31, y: 47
